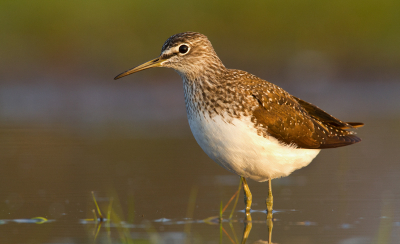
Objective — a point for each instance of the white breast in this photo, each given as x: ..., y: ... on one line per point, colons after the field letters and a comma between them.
x: 237, y: 147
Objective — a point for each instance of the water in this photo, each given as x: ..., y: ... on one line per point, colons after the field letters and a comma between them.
x: 132, y: 147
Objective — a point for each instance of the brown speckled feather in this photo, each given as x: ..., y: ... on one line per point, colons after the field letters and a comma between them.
x: 294, y: 121
x: 273, y: 111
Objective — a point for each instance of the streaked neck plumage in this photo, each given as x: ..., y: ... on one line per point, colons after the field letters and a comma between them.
x: 200, y: 81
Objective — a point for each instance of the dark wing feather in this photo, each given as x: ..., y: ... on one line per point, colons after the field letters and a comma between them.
x: 294, y: 121
x: 356, y: 124
x: 321, y: 115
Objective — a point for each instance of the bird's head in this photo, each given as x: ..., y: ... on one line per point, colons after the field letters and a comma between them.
x: 189, y: 53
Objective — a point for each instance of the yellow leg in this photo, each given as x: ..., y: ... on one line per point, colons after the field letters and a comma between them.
x: 270, y: 199
x: 247, y: 195
x: 269, y: 202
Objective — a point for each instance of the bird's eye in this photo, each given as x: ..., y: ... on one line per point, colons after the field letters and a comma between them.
x: 183, y: 49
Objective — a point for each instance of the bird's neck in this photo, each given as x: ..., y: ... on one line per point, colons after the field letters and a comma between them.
x: 206, y: 94
x: 206, y: 74
x: 195, y: 87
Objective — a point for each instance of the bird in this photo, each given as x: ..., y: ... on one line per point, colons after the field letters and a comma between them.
x: 247, y: 125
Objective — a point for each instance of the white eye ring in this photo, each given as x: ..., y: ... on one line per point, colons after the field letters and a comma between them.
x: 183, y: 49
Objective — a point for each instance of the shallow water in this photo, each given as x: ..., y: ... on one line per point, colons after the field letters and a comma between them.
x: 158, y: 185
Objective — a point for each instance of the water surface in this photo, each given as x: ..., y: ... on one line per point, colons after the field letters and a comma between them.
x: 133, y: 148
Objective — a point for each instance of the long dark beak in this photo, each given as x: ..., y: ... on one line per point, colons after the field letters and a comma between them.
x: 150, y: 64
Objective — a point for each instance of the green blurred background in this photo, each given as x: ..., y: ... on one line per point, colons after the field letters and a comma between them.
x: 68, y: 40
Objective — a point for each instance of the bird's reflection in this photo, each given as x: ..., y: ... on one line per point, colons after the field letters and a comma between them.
x: 115, y: 220
x: 248, y: 224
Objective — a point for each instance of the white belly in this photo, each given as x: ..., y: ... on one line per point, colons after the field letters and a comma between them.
x: 237, y: 147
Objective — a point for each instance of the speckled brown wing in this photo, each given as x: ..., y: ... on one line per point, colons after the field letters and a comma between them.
x: 294, y: 121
